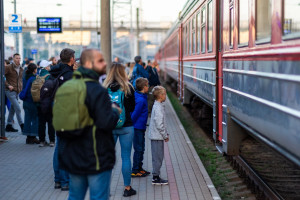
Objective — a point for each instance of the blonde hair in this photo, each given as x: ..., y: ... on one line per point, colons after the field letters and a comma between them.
x: 117, y: 73
x: 157, y: 91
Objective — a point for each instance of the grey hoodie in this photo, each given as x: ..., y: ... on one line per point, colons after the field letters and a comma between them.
x: 157, y: 127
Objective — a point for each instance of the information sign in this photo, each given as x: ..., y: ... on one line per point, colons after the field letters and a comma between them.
x: 49, y: 25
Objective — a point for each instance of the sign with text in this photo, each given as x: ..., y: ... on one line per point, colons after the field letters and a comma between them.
x: 15, y: 23
x: 49, y: 25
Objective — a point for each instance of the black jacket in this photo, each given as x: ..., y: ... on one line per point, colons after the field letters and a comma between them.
x: 129, y: 103
x: 59, y: 69
x: 92, y: 153
x: 153, y: 76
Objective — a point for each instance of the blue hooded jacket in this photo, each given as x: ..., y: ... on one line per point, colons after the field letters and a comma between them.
x: 140, y: 114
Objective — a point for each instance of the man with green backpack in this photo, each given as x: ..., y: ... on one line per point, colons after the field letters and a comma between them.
x: 84, y: 118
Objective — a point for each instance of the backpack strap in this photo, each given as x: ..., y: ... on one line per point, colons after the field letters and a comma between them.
x: 78, y: 75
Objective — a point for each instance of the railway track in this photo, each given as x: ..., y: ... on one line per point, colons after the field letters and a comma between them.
x: 266, y: 173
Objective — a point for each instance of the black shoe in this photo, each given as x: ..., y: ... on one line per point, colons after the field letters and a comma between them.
x: 57, y: 185
x: 158, y: 181
x: 65, y: 188
x: 128, y: 193
x: 22, y: 127
x: 29, y: 140
x: 142, y: 171
x: 9, y: 128
x: 35, y: 140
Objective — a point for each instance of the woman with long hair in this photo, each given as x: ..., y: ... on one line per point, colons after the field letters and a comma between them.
x: 30, y: 109
x: 117, y: 80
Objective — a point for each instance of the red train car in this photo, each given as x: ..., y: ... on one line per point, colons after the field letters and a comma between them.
x: 242, y: 58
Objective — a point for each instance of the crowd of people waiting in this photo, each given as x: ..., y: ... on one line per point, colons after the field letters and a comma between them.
x: 85, y: 134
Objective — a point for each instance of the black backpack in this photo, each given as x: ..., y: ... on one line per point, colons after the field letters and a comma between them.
x: 47, y: 93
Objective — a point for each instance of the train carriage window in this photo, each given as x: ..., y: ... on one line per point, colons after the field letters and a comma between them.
x: 190, y: 37
x: 231, y: 24
x: 203, y: 36
x: 243, y: 21
x: 291, y: 18
x: 198, y: 32
x: 263, y: 19
x: 210, y: 26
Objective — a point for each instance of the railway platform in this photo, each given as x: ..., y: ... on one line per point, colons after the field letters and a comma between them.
x: 26, y: 170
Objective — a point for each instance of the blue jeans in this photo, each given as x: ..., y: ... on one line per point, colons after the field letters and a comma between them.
x: 125, y: 136
x: 15, y: 107
x: 60, y: 176
x: 31, y: 119
x: 99, y: 185
x: 139, y: 148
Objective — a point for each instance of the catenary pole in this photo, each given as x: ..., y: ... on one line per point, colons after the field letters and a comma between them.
x: 2, y: 95
x: 106, y: 32
x: 137, y: 32
x: 17, y: 34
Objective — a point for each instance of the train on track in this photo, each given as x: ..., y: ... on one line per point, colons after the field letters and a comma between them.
x: 242, y: 59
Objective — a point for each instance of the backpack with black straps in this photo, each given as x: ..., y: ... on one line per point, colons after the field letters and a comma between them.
x: 36, y: 86
x: 118, y: 98
x: 70, y: 113
x: 47, y: 93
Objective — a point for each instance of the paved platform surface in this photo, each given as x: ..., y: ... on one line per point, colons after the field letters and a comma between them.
x: 26, y: 170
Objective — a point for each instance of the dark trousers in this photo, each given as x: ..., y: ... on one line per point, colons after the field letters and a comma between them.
x: 139, y: 148
x: 43, y: 119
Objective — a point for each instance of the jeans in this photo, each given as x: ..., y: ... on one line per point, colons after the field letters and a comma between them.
x: 43, y: 119
x: 60, y: 176
x: 125, y: 136
x: 31, y: 119
x: 139, y: 148
x: 15, y: 107
x: 99, y: 185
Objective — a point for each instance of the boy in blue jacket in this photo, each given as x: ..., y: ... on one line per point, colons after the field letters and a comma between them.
x: 139, y: 117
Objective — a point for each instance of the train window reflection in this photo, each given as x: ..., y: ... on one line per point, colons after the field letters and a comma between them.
x: 203, y: 19
x: 243, y: 21
x: 231, y: 27
x: 291, y: 17
x: 263, y: 19
x: 186, y: 40
x: 210, y: 26
x: 194, y: 35
x: 190, y: 38
x: 198, y: 32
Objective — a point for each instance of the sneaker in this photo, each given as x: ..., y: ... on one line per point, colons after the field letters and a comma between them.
x: 137, y: 174
x: 4, y: 138
x: 42, y: 144
x: 128, y: 193
x: 9, y: 128
x: 57, y: 185
x: 142, y: 171
x: 158, y: 181
x: 51, y: 144
x: 65, y: 188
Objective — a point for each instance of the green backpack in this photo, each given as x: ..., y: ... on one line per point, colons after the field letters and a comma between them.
x: 70, y: 114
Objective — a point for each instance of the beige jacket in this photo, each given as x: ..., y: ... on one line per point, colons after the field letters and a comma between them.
x: 13, y: 78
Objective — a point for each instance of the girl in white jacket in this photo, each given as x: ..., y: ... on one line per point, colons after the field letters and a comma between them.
x: 158, y: 133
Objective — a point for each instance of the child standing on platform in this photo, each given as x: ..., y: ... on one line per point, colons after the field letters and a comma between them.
x: 139, y: 118
x: 158, y: 133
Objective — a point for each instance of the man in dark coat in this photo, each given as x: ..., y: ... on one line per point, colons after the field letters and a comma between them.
x: 90, y: 157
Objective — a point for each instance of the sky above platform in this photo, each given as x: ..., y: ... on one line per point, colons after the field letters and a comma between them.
x: 150, y: 10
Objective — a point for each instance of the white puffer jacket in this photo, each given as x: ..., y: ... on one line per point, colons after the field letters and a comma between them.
x: 157, y: 127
